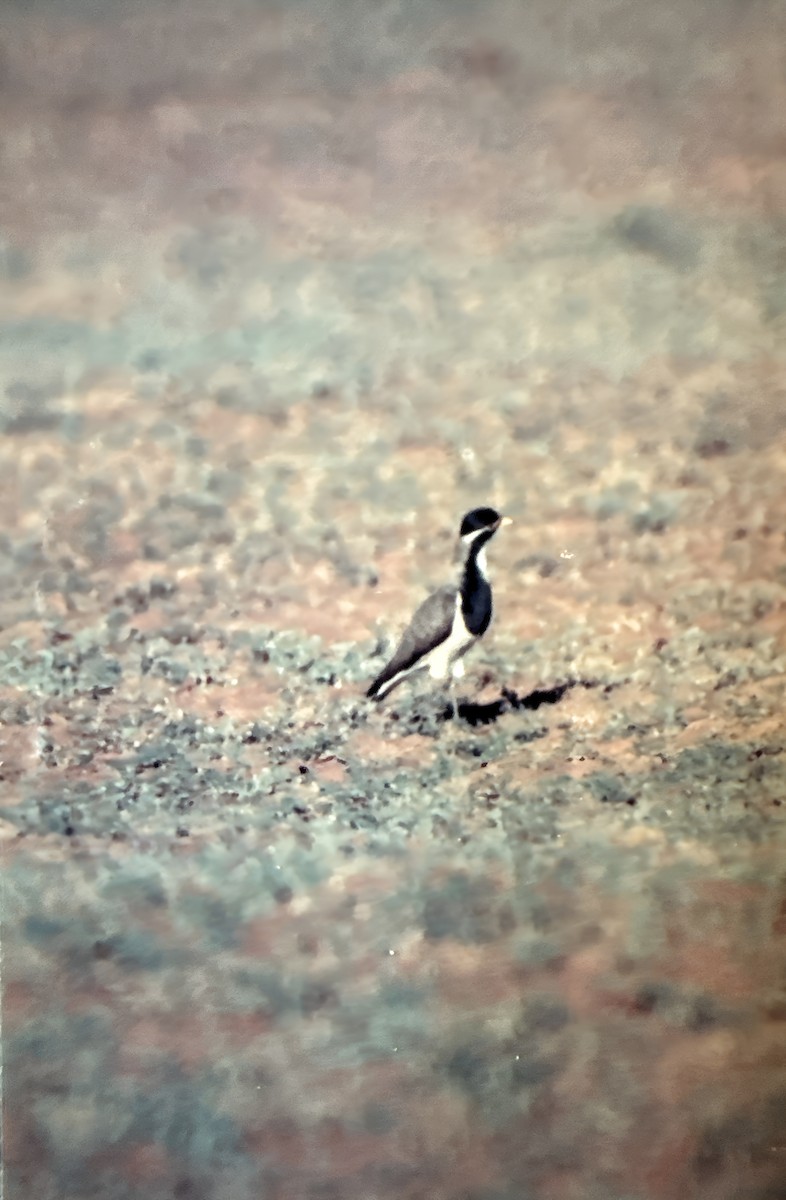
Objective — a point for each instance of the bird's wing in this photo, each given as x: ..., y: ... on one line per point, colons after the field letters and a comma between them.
x: 430, y: 626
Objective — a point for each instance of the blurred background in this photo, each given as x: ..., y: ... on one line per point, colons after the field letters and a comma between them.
x: 284, y: 290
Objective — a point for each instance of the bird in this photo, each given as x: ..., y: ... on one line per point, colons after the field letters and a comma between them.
x: 452, y: 619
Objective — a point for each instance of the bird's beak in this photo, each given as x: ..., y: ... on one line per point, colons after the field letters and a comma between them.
x: 506, y: 521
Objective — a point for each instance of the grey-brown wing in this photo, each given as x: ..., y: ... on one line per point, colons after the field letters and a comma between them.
x: 430, y: 626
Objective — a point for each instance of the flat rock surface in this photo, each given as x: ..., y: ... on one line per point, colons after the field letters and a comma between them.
x: 284, y: 290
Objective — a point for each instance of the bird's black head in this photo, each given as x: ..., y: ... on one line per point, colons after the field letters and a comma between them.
x: 480, y: 520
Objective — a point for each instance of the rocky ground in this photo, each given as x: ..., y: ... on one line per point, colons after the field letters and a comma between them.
x: 285, y: 291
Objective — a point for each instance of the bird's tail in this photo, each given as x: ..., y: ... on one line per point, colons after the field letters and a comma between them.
x: 384, y: 683
x: 373, y: 693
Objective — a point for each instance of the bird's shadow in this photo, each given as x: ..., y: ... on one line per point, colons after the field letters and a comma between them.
x: 510, y: 701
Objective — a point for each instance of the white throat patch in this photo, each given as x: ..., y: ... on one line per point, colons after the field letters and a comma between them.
x: 480, y: 558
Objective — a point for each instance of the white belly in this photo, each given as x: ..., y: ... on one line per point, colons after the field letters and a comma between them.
x: 446, y: 658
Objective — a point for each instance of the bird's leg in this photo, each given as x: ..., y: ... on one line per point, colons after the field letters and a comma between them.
x: 457, y: 672
x: 452, y: 696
